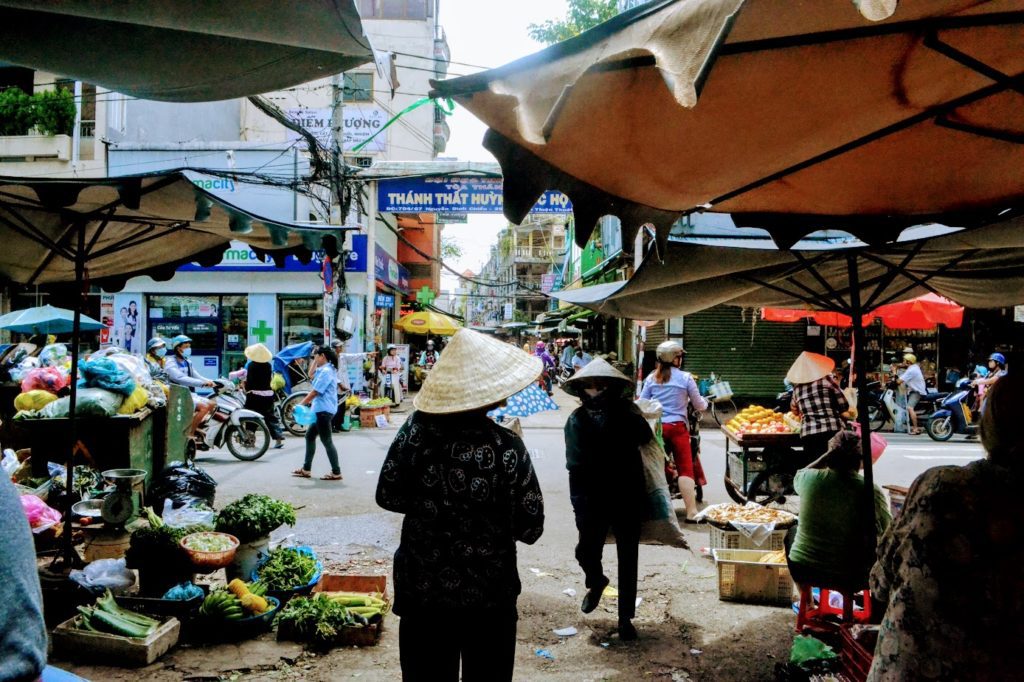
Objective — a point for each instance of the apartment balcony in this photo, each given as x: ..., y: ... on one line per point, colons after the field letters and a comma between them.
x: 32, y: 147
x: 442, y: 53
x: 533, y: 254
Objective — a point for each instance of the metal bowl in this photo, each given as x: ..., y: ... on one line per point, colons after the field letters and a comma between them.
x: 130, y: 476
x: 92, y: 509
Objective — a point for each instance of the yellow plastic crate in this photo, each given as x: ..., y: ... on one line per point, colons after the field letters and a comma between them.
x: 742, y: 579
x: 733, y: 539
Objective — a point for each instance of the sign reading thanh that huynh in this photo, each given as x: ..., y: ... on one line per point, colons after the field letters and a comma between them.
x: 446, y: 194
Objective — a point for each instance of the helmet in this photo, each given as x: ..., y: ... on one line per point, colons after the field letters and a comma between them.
x: 669, y: 351
x: 337, y: 343
x: 154, y: 342
x: 998, y: 357
x: 910, y: 358
x: 178, y: 340
x: 430, y: 343
x: 541, y: 345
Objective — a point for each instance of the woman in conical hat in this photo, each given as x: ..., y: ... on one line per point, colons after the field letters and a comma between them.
x: 468, y: 491
x: 606, y: 480
x: 818, y: 400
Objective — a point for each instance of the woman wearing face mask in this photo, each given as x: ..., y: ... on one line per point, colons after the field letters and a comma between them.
x: 323, y: 399
x: 676, y: 391
x: 156, y: 351
x: 606, y: 480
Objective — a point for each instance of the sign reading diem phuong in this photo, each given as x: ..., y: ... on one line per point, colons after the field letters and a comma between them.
x: 443, y: 194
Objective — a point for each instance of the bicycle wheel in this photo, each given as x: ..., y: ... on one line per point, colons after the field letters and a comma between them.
x: 723, y: 411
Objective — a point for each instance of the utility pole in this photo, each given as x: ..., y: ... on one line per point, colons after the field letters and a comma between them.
x: 338, y: 192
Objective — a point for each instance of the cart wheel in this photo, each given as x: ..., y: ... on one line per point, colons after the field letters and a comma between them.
x: 733, y: 491
x: 723, y: 411
x: 288, y: 414
x: 770, y: 486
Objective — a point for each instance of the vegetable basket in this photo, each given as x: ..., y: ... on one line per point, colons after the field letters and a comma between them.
x: 217, y: 630
x: 209, y: 561
x: 285, y: 595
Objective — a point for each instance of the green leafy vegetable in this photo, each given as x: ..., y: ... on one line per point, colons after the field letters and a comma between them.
x: 254, y: 516
x: 316, y: 620
x: 157, y: 544
x: 208, y: 542
x: 286, y: 569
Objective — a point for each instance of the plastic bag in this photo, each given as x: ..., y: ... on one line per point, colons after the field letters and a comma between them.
x: 54, y: 355
x: 277, y: 381
x: 92, y: 402
x: 806, y: 649
x: 184, y: 592
x: 186, y: 516
x: 33, y: 400
x: 44, y: 379
x: 39, y: 514
x: 105, y: 373
x: 134, y: 366
x: 18, y: 373
x: 135, y: 402
x: 105, y: 574
x: 186, y: 485
x: 661, y: 527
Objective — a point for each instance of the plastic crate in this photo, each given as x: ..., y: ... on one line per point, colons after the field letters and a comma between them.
x: 742, y: 579
x: 720, y: 390
x: 897, y: 498
x: 733, y: 539
x: 856, y: 659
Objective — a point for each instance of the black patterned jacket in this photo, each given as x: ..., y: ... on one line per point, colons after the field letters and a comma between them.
x: 469, y: 492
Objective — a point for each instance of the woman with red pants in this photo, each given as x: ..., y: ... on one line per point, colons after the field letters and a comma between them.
x: 676, y: 390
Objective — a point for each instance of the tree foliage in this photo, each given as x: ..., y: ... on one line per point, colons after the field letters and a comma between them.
x: 450, y: 249
x: 582, y: 15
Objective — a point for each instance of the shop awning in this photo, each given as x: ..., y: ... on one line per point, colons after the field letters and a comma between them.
x: 185, y: 51
x: 117, y: 228
x: 923, y: 312
x: 768, y: 110
x: 979, y: 268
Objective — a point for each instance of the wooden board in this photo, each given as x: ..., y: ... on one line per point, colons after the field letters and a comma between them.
x: 760, y: 440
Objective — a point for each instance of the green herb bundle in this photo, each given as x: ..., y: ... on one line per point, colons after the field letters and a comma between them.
x: 287, y: 568
x: 314, y: 620
x: 254, y: 516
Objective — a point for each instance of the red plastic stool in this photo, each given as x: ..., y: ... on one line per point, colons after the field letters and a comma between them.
x: 813, y: 617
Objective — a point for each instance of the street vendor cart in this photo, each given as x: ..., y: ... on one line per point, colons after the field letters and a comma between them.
x: 759, y: 467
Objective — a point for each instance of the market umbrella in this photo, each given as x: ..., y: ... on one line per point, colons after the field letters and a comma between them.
x: 428, y: 322
x: 923, y: 312
x: 529, y: 401
x: 768, y: 110
x: 47, y: 320
x: 184, y: 51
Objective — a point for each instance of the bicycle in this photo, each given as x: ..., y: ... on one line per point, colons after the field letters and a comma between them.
x: 719, y: 396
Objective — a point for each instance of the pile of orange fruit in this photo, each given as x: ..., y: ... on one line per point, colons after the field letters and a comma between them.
x: 761, y: 420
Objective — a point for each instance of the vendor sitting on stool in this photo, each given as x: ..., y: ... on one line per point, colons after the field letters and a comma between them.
x: 826, y: 548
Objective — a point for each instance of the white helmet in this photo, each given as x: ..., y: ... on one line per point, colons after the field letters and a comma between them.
x: 669, y: 351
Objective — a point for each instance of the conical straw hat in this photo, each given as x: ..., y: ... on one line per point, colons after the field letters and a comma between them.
x: 475, y: 370
x: 810, y: 367
x: 595, y: 369
x: 259, y: 353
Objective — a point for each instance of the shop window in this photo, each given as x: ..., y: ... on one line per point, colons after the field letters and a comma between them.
x: 302, y: 319
x: 234, y: 322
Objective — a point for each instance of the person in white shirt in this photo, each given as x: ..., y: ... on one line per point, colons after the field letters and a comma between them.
x: 913, y: 378
x: 580, y: 360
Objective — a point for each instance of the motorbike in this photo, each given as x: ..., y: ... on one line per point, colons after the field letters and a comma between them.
x: 563, y: 375
x: 955, y: 415
x: 291, y: 362
x: 884, y: 412
x: 243, y: 431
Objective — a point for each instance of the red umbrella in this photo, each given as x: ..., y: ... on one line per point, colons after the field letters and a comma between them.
x: 923, y: 312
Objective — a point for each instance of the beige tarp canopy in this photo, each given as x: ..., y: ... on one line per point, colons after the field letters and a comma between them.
x: 120, y: 227
x: 184, y: 51
x: 981, y: 268
x: 769, y: 108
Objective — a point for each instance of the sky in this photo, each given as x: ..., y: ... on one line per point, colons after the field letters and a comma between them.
x: 484, y: 33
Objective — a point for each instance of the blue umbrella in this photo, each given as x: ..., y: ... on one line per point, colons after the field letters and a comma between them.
x: 46, y: 319
x: 530, y: 400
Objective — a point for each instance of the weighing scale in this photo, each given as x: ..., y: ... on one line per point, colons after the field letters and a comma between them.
x: 121, y: 505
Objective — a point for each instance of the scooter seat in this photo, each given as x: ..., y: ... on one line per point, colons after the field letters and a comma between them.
x: 932, y: 397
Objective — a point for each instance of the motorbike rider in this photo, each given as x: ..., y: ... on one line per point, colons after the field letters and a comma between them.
x: 156, y: 351
x: 428, y: 357
x: 996, y: 371
x: 676, y: 390
x: 391, y: 366
x: 180, y: 371
x: 913, y: 379
x: 541, y: 351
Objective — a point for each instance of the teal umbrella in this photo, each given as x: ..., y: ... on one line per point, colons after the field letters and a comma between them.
x: 46, y: 319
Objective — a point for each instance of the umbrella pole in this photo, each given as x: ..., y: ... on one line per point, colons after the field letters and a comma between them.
x: 859, y: 346
x: 70, y: 555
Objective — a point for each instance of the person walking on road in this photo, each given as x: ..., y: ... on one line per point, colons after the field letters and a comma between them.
x: 606, y: 481
x: 819, y: 402
x: 323, y: 399
x: 469, y: 492
x: 259, y: 397
x: 676, y: 390
x: 913, y: 378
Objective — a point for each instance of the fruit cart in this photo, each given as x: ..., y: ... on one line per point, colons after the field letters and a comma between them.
x: 762, y: 454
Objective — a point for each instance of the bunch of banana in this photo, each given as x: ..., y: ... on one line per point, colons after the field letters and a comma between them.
x: 223, y: 605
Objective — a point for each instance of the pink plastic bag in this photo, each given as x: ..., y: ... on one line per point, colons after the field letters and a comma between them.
x: 40, y: 515
x: 45, y: 379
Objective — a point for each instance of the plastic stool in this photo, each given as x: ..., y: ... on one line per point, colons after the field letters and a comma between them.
x: 813, y: 617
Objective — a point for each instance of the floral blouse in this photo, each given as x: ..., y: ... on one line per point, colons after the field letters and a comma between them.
x: 951, y: 568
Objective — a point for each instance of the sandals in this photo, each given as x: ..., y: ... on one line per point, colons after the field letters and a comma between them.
x: 331, y: 477
x: 302, y: 473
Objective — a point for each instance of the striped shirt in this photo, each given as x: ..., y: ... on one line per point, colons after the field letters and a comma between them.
x: 820, y: 403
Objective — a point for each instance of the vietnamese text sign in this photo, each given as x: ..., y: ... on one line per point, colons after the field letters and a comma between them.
x: 359, y: 122
x: 444, y: 194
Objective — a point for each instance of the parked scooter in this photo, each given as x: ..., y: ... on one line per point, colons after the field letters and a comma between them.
x: 564, y: 374
x: 243, y: 431
x: 955, y: 415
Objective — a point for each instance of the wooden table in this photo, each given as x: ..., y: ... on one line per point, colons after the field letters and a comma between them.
x: 748, y: 455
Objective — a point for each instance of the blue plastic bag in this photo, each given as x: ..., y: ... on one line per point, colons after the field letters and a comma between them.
x: 302, y: 549
x: 105, y: 373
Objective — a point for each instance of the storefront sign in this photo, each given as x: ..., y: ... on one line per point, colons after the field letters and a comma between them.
x: 547, y: 282
x: 451, y: 218
x: 444, y: 194
x: 384, y: 301
x: 355, y: 260
x: 240, y: 258
x: 359, y: 123
x: 389, y: 271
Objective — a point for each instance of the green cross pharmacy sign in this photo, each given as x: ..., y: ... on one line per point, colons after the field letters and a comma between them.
x: 261, y: 331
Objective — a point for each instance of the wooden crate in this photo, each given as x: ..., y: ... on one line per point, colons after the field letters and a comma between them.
x: 74, y: 644
x: 741, y: 578
x: 368, y: 416
x: 362, y: 584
